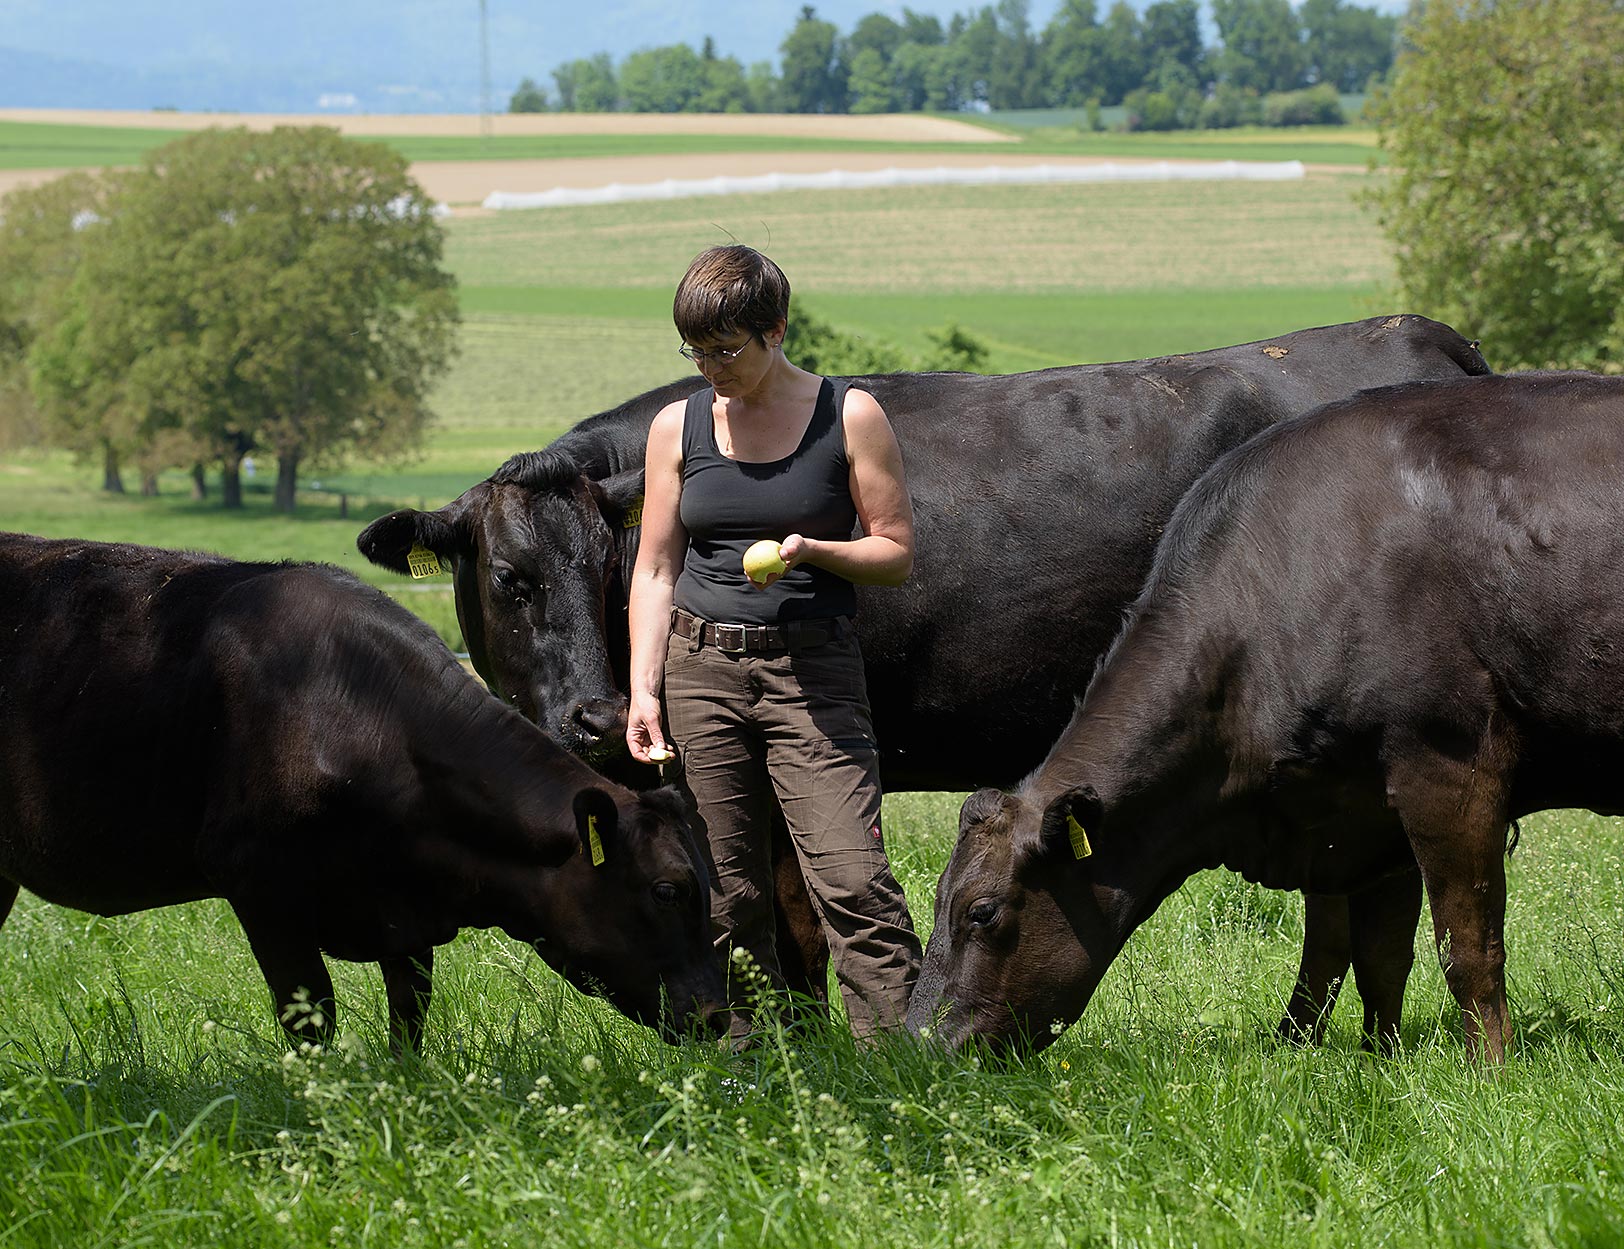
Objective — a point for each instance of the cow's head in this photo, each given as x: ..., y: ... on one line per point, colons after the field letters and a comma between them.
x: 627, y: 917
x: 537, y: 554
x: 1026, y: 923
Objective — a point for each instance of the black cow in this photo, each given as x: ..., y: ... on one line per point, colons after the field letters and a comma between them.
x: 1372, y: 638
x: 1038, y: 499
x: 177, y: 726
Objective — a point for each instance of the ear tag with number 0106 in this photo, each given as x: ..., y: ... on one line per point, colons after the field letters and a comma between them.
x: 422, y: 562
x: 1079, y: 839
x: 593, y: 840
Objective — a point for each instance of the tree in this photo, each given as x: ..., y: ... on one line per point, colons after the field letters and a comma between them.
x: 662, y: 80
x: 587, y: 85
x: 1504, y: 128
x: 1347, y: 46
x: 1122, y: 52
x: 529, y: 98
x: 870, y: 88
x: 1172, y: 35
x: 43, y: 233
x: 1263, y: 47
x: 924, y: 77
x: 764, y: 92
x: 724, y: 88
x: 280, y: 290
x: 1072, y: 68
x: 878, y: 32
x: 813, y: 74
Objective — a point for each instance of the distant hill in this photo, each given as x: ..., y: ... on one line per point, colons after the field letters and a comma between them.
x: 37, y: 80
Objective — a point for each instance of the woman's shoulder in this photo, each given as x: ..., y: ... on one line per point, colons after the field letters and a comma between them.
x: 861, y: 410
x: 665, y: 432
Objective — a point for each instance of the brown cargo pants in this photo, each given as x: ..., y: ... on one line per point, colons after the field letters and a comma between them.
x: 795, y: 725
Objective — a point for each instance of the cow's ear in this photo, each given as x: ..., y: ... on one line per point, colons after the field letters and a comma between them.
x: 389, y: 540
x: 669, y: 801
x: 620, y: 498
x: 1069, y: 823
x: 597, y: 821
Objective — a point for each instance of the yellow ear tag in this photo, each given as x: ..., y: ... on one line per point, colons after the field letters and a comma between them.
x: 1079, y: 839
x: 634, y: 514
x: 594, y: 841
x: 422, y: 562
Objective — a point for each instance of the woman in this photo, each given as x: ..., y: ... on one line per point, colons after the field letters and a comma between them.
x: 763, y: 683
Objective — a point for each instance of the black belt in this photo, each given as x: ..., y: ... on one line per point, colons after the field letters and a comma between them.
x: 738, y: 639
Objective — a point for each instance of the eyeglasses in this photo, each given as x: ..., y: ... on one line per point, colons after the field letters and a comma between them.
x: 720, y: 355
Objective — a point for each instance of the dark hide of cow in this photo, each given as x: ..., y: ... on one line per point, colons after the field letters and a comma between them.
x: 177, y: 726
x: 1372, y: 639
x: 1037, y: 497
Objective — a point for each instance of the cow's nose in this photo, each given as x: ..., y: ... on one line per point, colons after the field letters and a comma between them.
x: 598, y: 718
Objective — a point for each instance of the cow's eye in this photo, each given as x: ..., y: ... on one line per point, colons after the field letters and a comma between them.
x: 982, y: 914
x: 667, y: 894
x: 509, y: 584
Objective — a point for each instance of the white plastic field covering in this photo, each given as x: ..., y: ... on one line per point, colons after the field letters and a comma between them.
x: 844, y: 179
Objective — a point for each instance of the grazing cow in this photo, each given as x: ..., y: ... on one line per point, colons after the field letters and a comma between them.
x: 1037, y: 497
x: 177, y: 726
x: 1372, y: 638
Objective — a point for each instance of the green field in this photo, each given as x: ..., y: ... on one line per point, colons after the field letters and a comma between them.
x: 568, y: 312
x: 40, y: 145
x: 146, y: 1098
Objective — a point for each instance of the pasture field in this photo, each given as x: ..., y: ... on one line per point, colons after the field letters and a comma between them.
x: 43, y: 145
x: 567, y: 312
x: 146, y: 1096
x: 145, y: 1099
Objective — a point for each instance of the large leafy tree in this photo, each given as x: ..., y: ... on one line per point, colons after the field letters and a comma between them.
x: 1347, y: 46
x: 1504, y: 129
x: 1263, y: 47
x: 662, y: 80
x: 587, y: 85
x: 44, y: 234
x: 1172, y: 36
x: 277, y: 290
x: 813, y: 77
x: 1072, y: 54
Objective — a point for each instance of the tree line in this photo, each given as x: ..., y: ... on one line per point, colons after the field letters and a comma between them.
x: 993, y: 58
x: 276, y: 293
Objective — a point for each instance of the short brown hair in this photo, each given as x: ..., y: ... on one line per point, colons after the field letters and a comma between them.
x: 727, y: 289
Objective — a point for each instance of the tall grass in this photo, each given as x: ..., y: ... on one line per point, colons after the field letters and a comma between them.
x: 145, y: 1097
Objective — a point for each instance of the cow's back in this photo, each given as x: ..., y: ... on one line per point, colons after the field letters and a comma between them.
x: 100, y: 729
x: 1038, y: 500
x: 145, y: 694
x: 1429, y: 555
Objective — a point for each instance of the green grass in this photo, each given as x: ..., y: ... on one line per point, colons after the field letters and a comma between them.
x: 145, y: 1097
x: 44, y: 145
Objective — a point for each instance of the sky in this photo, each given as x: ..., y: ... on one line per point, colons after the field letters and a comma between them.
x: 365, y: 46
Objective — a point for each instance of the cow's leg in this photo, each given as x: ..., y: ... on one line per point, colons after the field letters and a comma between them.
x: 803, y: 949
x: 8, y: 897
x: 407, y: 982
x: 1327, y: 951
x: 1454, y: 813
x: 300, y: 984
x: 1381, y: 921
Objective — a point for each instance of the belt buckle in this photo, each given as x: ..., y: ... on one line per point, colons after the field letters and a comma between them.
x: 734, y: 631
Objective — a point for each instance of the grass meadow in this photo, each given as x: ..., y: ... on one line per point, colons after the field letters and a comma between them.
x: 146, y: 1096
x: 40, y: 145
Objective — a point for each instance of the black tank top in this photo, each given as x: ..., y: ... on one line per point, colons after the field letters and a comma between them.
x: 728, y: 505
